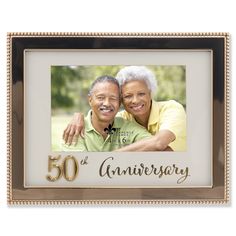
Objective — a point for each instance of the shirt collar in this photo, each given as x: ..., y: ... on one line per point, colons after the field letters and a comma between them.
x: 89, y: 125
x: 154, y: 114
x: 118, y: 121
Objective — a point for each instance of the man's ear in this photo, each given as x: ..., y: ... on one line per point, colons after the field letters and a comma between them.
x: 89, y: 99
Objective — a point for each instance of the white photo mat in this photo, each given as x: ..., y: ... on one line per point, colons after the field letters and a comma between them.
x: 37, y: 122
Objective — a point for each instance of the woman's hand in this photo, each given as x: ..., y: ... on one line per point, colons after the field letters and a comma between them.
x: 74, y: 129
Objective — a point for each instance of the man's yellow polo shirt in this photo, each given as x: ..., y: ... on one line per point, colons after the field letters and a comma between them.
x: 122, y: 133
x: 167, y: 115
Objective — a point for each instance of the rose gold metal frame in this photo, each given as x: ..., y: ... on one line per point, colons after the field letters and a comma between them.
x: 17, y: 194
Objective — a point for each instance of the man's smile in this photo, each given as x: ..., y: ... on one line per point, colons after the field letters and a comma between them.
x: 106, y: 110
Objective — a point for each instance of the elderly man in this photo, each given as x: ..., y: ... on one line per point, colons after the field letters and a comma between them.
x: 104, y: 131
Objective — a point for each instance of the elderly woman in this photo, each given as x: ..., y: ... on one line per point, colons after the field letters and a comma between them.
x: 166, y: 120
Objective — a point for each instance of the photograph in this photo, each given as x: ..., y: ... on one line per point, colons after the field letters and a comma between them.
x: 117, y: 106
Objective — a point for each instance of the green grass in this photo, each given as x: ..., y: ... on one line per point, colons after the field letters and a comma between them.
x: 58, y: 124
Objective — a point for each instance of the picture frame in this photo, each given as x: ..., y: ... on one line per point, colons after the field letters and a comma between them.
x: 39, y: 175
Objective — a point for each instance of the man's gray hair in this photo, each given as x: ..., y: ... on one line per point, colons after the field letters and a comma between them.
x: 101, y: 79
x: 130, y: 73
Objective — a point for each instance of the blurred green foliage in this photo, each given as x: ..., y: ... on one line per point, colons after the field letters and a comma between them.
x: 70, y: 85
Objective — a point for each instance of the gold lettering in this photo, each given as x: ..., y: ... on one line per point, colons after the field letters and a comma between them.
x: 66, y: 168
x: 52, y: 164
x: 62, y: 169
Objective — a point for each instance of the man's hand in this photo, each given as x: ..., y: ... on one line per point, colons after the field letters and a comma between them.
x: 159, y: 142
x: 74, y: 129
x: 168, y: 149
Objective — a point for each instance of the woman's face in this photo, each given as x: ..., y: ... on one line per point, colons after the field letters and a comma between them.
x: 136, y: 97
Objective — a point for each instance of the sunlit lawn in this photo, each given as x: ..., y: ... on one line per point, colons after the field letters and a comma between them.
x: 58, y: 125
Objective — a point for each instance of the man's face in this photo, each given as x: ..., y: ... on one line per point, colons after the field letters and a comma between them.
x: 104, y: 101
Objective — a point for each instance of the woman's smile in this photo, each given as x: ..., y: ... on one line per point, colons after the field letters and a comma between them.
x: 137, y: 107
